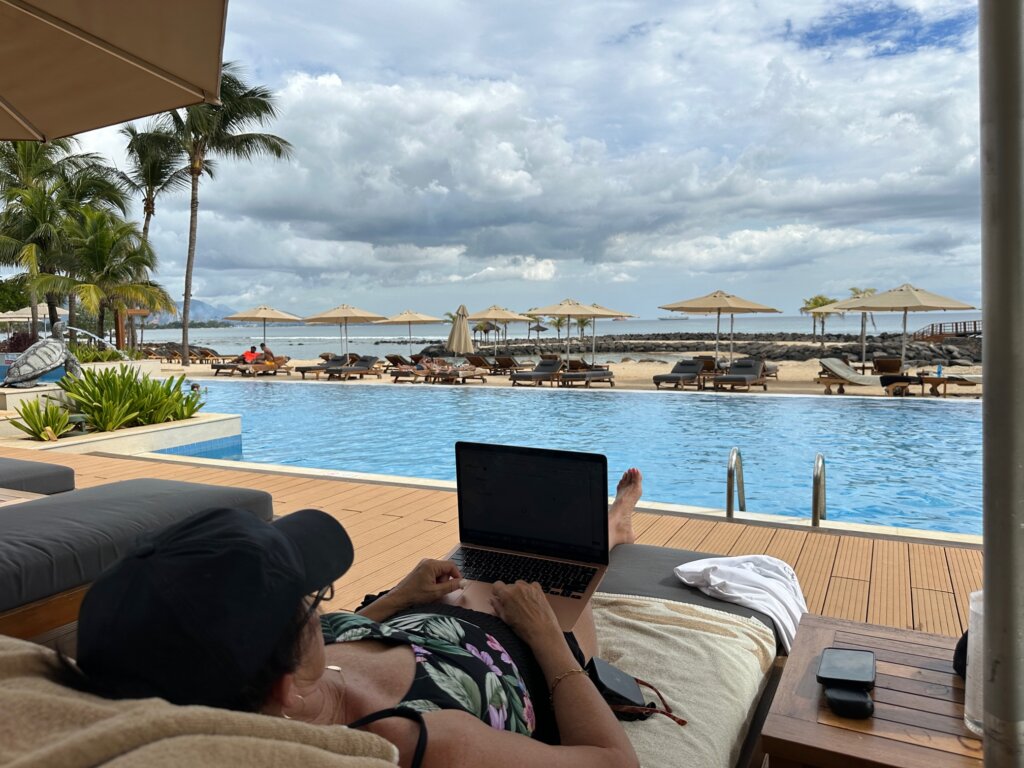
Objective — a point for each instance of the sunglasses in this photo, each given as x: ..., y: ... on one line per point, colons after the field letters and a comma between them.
x: 315, y: 598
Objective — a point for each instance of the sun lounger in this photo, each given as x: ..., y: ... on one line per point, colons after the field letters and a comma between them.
x: 545, y: 370
x: 225, y: 368
x: 898, y: 384
x: 364, y: 366
x: 479, y: 361
x: 458, y: 375
x: 883, y: 365
x: 36, y: 477
x: 834, y: 372
x: 333, y: 362
x: 684, y: 372
x: 586, y: 377
x: 506, y: 364
x: 745, y: 373
x: 397, y: 361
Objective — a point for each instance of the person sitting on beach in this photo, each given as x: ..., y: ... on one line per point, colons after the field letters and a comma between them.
x: 220, y: 610
x: 251, y: 356
x: 268, y: 356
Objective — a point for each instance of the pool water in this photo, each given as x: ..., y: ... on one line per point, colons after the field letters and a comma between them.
x: 908, y: 462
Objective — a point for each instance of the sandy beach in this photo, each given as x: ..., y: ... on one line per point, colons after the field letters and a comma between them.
x: 795, y: 377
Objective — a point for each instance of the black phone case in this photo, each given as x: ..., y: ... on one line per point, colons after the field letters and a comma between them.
x: 846, y: 702
x: 847, y: 668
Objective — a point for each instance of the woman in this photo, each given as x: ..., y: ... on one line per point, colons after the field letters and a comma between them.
x: 212, y: 612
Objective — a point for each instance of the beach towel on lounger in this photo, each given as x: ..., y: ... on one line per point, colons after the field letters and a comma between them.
x: 761, y: 582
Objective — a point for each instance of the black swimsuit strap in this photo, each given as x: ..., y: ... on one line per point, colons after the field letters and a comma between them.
x: 408, y: 714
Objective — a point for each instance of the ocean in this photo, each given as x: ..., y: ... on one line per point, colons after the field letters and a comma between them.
x: 307, y: 341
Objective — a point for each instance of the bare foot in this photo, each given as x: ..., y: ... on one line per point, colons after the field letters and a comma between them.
x: 620, y: 515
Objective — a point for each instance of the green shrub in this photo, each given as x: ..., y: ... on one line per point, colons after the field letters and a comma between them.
x: 86, y: 353
x: 116, y: 398
x: 43, y: 422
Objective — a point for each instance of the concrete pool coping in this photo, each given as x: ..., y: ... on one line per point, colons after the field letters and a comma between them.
x: 662, y: 508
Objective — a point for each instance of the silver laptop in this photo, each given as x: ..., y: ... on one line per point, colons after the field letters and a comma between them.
x: 532, y: 514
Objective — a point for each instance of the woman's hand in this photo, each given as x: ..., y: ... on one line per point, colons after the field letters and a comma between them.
x: 428, y: 582
x: 524, y: 608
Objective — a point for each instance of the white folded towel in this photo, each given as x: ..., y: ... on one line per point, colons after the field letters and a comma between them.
x: 763, y: 583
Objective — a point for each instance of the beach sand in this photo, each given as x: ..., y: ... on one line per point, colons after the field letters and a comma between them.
x: 795, y: 377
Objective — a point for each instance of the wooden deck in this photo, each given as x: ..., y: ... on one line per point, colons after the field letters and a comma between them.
x: 896, y: 583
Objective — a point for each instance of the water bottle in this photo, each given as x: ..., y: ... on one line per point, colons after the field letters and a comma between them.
x: 938, y: 371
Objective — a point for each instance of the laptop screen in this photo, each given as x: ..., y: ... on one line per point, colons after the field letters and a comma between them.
x: 544, y: 502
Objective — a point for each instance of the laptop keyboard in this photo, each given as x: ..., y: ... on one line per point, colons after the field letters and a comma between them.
x: 555, y: 578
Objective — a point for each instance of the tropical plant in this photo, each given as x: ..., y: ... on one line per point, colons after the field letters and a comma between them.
x: 47, y: 422
x: 558, y: 323
x: 154, y: 167
x: 117, y: 398
x: 203, y: 132
x: 582, y: 323
x: 112, y: 267
x: 86, y: 353
x: 811, y: 304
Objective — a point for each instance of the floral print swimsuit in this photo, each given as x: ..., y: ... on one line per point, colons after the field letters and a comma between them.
x: 458, y: 666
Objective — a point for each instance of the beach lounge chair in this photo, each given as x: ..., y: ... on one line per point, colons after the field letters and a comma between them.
x: 225, y: 368
x: 479, y: 361
x: 331, y: 362
x: 458, y: 375
x: 684, y: 372
x: 397, y: 361
x: 506, y: 364
x: 364, y: 366
x: 545, y: 370
x: 834, y: 372
x: 586, y: 377
x: 550, y: 356
x: 745, y: 373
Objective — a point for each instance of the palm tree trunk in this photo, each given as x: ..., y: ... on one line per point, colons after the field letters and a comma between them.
x: 72, y: 311
x: 186, y: 303
x: 33, y: 304
x: 51, y: 307
x: 101, y: 319
x: 145, y: 221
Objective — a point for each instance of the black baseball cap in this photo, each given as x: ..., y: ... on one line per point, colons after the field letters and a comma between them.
x: 193, y: 614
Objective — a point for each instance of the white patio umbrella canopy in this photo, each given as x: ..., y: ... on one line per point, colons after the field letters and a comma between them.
x: 266, y: 314
x: 570, y: 308
x: 593, y: 328
x: 408, y: 317
x: 495, y: 314
x: 906, y: 299
x: 718, y: 302
x: 460, y: 342
x: 841, y: 308
x: 341, y: 316
x: 69, y: 67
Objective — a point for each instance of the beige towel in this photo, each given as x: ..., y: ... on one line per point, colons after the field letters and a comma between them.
x: 45, y: 725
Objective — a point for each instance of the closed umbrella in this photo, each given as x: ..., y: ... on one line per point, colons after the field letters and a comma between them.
x: 460, y: 342
x: 69, y: 67
x: 718, y: 302
x: 342, y: 315
x: 905, y: 299
x: 496, y: 314
x: 408, y: 317
x: 266, y: 314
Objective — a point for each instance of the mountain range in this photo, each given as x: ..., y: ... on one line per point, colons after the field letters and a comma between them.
x: 199, y: 311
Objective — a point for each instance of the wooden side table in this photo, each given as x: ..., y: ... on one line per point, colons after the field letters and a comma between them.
x: 918, y: 720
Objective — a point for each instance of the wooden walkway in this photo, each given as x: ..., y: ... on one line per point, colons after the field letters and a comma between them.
x: 896, y: 583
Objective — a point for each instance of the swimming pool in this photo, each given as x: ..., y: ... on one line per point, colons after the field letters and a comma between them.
x: 908, y: 462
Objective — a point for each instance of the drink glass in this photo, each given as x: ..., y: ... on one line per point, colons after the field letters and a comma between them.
x: 974, y: 701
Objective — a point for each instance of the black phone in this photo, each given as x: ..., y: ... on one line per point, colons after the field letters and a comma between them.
x: 846, y: 668
x: 616, y: 686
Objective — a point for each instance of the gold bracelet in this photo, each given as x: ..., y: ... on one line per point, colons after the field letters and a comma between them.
x: 561, y: 677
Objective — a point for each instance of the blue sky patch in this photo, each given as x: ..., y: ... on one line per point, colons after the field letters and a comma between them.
x: 887, y: 29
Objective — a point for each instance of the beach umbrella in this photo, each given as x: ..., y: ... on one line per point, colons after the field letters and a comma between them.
x: 266, y: 314
x: 841, y: 308
x: 342, y: 315
x: 460, y: 342
x: 717, y: 303
x: 570, y: 308
x: 593, y: 328
x: 24, y: 315
x: 496, y: 314
x: 408, y: 317
x: 905, y: 299
x: 69, y: 67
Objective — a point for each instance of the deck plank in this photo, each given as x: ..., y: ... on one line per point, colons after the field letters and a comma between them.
x: 844, y: 575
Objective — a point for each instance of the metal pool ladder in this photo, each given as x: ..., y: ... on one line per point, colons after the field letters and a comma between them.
x: 734, y: 477
x: 818, y: 493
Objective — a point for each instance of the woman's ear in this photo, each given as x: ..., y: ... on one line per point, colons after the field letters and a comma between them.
x: 283, y: 698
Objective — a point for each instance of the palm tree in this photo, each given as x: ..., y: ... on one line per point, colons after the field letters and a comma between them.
x: 582, y: 323
x: 113, y: 264
x: 154, y: 158
x: 204, y: 132
x: 860, y: 293
x: 819, y: 300
x: 558, y: 323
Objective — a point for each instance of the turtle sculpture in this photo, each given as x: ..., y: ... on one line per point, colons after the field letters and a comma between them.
x: 42, y: 357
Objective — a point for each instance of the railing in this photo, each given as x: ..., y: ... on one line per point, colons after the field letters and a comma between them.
x: 946, y: 330
x: 818, y: 494
x: 734, y: 479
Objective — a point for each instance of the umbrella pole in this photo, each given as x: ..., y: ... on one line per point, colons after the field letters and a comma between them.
x: 903, y: 342
x: 264, y: 330
x: 593, y: 348
x: 410, y: 338
x: 863, y: 337
x: 732, y: 327
x: 718, y: 328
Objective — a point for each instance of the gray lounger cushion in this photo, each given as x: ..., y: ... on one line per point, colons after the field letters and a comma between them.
x: 36, y: 477
x: 640, y: 569
x: 61, y: 542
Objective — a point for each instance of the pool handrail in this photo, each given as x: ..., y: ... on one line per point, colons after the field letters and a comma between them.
x: 734, y: 477
x: 818, y: 494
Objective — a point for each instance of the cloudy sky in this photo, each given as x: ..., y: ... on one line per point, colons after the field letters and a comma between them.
x: 628, y: 153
